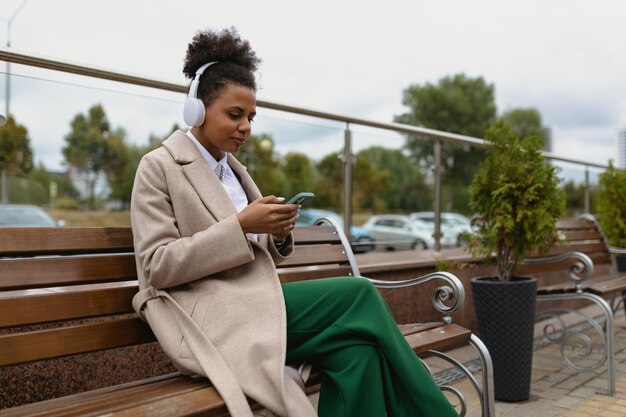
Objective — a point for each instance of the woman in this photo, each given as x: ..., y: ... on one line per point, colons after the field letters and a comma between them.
x: 206, y: 245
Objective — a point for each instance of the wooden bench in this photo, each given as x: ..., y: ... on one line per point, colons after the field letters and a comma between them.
x: 67, y: 291
x: 583, y: 251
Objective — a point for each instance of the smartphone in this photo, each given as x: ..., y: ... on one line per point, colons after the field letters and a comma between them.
x: 300, y: 198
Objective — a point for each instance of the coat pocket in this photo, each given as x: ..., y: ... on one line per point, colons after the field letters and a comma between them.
x: 197, y: 314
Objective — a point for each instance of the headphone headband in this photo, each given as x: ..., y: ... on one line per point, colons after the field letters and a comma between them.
x: 193, y: 111
x: 193, y: 88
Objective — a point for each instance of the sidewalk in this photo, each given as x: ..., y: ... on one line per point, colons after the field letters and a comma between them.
x: 556, y: 390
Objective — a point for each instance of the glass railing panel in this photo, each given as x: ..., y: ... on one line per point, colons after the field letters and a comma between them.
x: 89, y: 183
x: 574, y: 183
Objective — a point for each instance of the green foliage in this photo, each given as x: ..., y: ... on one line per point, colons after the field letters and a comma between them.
x: 328, y: 187
x: 370, y: 181
x: 525, y: 122
x: 575, y: 197
x: 517, y: 198
x: 93, y: 148
x: 299, y: 172
x: 67, y: 203
x: 457, y: 104
x: 16, y: 154
x: 404, y: 186
x: 263, y: 165
x: 612, y: 205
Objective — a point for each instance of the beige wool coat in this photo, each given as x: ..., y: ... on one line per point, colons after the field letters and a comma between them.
x: 211, y: 295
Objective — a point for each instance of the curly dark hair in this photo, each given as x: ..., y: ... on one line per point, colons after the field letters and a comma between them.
x: 237, y: 62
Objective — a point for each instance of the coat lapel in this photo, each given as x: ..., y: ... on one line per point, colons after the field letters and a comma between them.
x: 205, y: 182
x: 198, y: 172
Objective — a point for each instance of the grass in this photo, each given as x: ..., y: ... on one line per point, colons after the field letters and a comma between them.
x: 97, y: 218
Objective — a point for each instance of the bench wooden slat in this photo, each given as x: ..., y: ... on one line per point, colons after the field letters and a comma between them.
x: 315, y: 234
x: 407, y: 329
x: 56, y: 271
x: 202, y: 402
x: 596, y: 258
x: 581, y: 247
x: 119, y: 401
x: 574, y: 223
x: 30, y: 241
x: 316, y: 255
x: 289, y: 275
x: 615, y: 284
x: 582, y: 235
x: 439, y: 338
x: 70, y: 340
x: 98, y: 402
x: 42, y: 308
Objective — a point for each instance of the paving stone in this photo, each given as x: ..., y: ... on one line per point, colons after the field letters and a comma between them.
x: 553, y: 393
x: 584, y: 392
x: 568, y: 401
x: 618, y: 408
x: 607, y: 413
x: 576, y: 414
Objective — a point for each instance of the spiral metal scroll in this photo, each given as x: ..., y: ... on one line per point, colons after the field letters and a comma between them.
x: 580, y: 344
x: 446, y: 299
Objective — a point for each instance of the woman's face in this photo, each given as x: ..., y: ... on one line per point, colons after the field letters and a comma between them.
x: 227, y: 123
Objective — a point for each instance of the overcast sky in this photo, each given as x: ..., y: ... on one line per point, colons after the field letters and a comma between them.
x: 566, y: 58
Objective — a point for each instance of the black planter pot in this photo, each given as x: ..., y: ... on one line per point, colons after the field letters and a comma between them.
x: 505, y: 312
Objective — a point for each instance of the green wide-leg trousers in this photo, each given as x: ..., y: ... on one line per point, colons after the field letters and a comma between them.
x: 344, y: 328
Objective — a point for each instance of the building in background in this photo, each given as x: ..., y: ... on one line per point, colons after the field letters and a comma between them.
x: 621, y: 148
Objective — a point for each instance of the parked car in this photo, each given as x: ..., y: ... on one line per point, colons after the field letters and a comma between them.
x: 360, y: 240
x: 394, y: 231
x: 452, y: 224
x: 25, y: 215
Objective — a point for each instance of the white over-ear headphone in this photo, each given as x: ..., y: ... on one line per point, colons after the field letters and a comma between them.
x: 193, y: 112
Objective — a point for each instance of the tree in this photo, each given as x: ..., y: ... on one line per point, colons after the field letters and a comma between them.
x: 263, y: 166
x: 122, y: 187
x: 457, y: 104
x: 525, y: 122
x: 299, y: 172
x: 118, y: 158
x: 16, y: 154
x: 575, y: 197
x: 92, y: 147
x: 405, y: 188
x: 517, y: 198
x: 328, y: 185
x: 369, y: 182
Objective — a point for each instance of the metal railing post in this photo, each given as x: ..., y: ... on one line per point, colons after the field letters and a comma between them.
x: 587, y: 208
x: 437, y: 202
x: 347, y: 180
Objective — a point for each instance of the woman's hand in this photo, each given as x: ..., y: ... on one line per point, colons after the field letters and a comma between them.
x: 269, y: 215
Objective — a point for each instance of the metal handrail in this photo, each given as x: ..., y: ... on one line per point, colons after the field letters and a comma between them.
x: 34, y: 60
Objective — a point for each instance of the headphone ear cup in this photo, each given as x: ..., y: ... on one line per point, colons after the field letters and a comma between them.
x: 193, y: 112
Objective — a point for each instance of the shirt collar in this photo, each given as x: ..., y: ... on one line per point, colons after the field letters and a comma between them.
x: 213, y: 163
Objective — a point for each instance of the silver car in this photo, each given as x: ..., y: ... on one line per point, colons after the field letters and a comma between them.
x: 453, y: 225
x: 25, y: 215
x: 393, y: 231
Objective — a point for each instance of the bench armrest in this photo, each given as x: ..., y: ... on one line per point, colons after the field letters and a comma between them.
x: 452, y: 291
x: 580, y: 270
x: 617, y: 251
